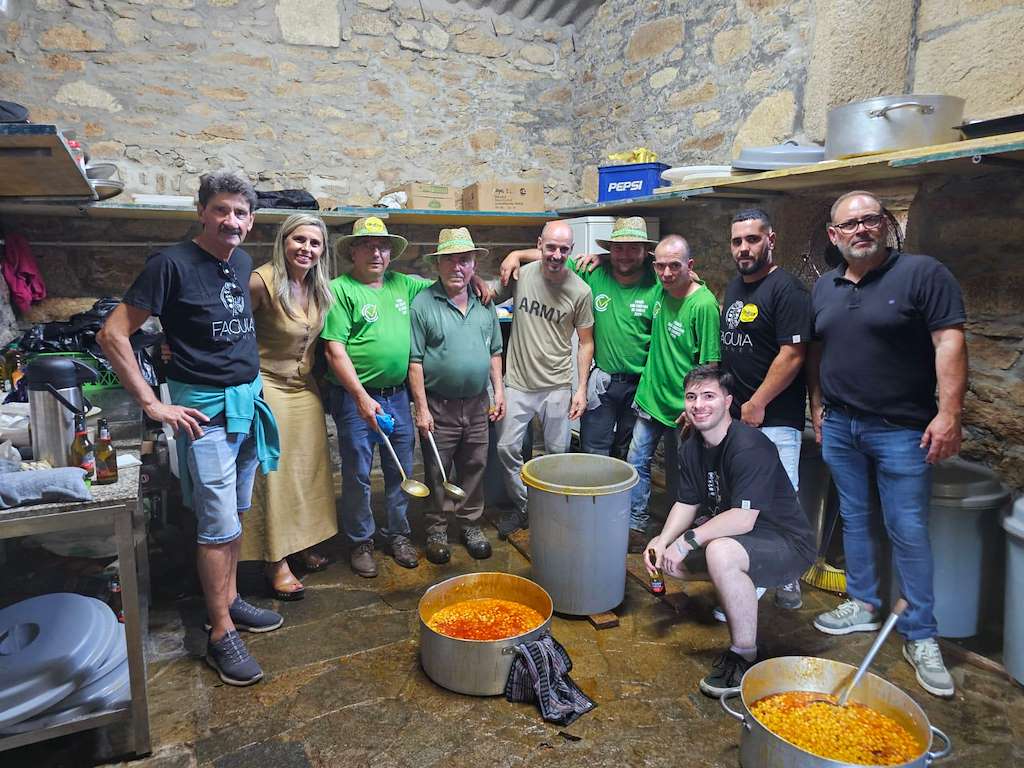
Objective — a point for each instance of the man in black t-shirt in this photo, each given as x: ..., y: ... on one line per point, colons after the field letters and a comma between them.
x: 888, y: 328
x: 200, y: 291
x: 766, y: 325
x: 754, y: 532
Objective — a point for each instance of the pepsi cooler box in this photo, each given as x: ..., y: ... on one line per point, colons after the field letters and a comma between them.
x: 617, y: 182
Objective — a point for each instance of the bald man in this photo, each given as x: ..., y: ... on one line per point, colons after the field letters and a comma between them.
x: 551, y: 302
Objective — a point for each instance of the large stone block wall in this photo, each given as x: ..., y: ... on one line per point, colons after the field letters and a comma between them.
x: 342, y: 98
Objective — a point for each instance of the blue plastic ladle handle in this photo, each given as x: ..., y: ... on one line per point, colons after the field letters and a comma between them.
x: 386, y: 423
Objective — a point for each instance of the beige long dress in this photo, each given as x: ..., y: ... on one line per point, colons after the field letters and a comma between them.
x: 292, y: 508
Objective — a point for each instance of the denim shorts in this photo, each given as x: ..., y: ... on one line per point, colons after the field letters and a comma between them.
x: 223, y: 468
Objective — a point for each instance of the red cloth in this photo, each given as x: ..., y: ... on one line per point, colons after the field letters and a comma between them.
x: 22, y: 273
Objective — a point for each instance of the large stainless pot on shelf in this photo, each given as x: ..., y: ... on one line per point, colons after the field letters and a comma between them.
x: 476, y: 667
x: 891, y: 123
x: 760, y: 748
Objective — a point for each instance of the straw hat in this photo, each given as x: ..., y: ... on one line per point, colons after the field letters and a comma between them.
x: 627, y: 230
x: 454, y: 241
x: 371, y: 226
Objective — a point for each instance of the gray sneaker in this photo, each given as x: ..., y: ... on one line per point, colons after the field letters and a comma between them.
x: 851, y: 616
x: 926, y: 658
x: 248, y: 618
x: 231, y: 659
x: 788, y: 595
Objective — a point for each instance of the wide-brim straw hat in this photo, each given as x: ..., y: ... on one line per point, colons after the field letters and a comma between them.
x: 370, y: 226
x: 628, y: 230
x: 452, y: 241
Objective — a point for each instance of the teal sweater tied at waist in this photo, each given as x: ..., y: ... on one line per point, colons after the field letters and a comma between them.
x: 244, y: 410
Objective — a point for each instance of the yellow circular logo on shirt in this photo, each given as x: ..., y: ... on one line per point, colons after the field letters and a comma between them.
x: 369, y: 313
x: 601, y: 302
x: 749, y: 313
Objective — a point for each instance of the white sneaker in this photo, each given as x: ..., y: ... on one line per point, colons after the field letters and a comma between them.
x: 926, y: 658
x: 719, y: 614
x: 851, y: 616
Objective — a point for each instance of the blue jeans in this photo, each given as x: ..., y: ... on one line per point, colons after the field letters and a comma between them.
x: 355, y: 443
x: 223, y: 468
x: 787, y: 441
x: 608, y: 429
x: 855, y: 447
x: 646, y: 434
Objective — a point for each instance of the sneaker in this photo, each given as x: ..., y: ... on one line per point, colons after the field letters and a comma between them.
x: 437, y: 548
x: 248, y: 618
x: 788, y: 595
x: 719, y: 613
x: 361, y: 560
x: 477, y: 545
x: 851, y: 616
x: 926, y: 658
x: 637, y: 541
x: 512, y: 521
x: 404, y: 552
x: 726, y: 674
x: 231, y: 659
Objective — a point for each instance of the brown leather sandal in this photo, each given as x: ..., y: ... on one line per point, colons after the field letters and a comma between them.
x: 282, y: 588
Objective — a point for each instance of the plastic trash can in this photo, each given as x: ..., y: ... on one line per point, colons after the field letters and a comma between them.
x: 1013, y: 619
x: 966, y: 505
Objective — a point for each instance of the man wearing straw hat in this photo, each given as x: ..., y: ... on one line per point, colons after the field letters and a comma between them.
x: 367, y: 339
x: 456, y: 349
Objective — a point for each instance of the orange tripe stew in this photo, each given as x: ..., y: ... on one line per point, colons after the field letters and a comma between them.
x: 485, y: 618
x: 851, y: 734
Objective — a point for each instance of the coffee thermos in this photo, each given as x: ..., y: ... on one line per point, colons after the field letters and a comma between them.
x: 55, y: 396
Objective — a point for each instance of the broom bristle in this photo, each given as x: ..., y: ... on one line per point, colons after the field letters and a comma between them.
x: 826, y: 577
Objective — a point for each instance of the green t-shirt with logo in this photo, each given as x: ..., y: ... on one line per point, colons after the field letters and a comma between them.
x: 684, y: 335
x: 374, y: 326
x: 622, y: 318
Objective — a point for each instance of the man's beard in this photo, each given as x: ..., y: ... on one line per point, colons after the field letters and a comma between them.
x: 756, y: 266
x: 877, y: 246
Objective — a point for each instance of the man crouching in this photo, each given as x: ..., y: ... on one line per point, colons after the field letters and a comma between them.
x: 751, y: 531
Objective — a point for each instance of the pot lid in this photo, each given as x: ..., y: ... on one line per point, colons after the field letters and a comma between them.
x: 967, y: 484
x: 789, y: 153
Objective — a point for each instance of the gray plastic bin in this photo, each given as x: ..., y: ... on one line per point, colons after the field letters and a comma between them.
x: 1013, y: 621
x: 967, y: 501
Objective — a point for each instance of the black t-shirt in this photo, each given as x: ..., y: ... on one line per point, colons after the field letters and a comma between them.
x: 877, y: 350
x: 206, y: 317
x: 757, y: 318
x: 744, y: 471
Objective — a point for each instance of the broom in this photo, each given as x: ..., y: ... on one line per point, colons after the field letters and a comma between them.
x: 821, y: 574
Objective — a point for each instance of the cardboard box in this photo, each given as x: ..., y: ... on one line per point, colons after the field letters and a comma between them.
x: 438, y: 197
x: 518, y: 196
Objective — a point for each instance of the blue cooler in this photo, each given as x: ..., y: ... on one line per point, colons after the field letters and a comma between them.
x: 618, y: 182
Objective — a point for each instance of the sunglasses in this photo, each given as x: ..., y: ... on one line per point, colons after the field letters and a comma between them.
x: 226, y: 272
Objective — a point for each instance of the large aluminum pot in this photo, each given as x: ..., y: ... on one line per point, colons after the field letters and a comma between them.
x: 760, y: 748
x: 579, y: 529
x: 476, y: 667
x: 891, y: 123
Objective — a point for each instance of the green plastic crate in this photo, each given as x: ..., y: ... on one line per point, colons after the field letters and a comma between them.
x: 105, y: 379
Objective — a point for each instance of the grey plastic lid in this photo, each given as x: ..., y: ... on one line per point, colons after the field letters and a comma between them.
x: 964, y: 484
x: 779, y: 156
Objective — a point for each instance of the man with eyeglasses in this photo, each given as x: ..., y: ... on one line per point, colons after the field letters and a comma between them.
x: 684, y: 335
x: 200, y: 291
x: 766, y: 322
x: 888, y: 328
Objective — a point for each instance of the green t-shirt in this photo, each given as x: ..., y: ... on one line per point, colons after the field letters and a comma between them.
x: 685, y: 335
x: 622, y: 318
x: 455, y: 350
x: 373, y: 324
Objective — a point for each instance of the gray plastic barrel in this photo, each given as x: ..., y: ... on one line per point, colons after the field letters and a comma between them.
x: 579, y: 529
x: 967, y: 500
x: 1013, y: 619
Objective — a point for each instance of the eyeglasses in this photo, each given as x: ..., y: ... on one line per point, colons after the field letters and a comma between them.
x: 871, y: 221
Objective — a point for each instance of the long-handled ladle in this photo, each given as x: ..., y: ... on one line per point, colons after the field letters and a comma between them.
x: 451, y: 489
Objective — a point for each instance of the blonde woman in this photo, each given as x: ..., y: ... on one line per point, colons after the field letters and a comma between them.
x: 293, y: 509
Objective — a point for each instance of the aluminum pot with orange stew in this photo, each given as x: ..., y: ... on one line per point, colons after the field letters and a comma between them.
x: 761, y: 747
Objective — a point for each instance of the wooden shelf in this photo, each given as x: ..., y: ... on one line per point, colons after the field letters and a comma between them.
x: 960, y: 158
x: 35, y: 162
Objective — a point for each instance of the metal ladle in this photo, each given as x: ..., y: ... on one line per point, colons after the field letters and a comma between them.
x: 451, y: 489
x: 409, y: 485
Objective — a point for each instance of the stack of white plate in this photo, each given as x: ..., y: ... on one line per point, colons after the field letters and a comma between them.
x: 61, y: 656
x: 685, y: 174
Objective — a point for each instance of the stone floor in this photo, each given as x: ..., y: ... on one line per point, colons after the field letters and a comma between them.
x: 343, y: 686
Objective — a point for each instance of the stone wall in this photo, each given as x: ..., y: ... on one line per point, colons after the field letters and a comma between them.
x: 342, y: 98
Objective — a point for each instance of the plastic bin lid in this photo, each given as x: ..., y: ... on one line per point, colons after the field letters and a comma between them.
x: 956, y: 482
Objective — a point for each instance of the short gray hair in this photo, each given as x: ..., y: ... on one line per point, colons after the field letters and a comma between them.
x: 226, y: 182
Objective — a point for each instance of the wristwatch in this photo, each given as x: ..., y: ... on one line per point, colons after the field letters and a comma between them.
x: 691, y: 538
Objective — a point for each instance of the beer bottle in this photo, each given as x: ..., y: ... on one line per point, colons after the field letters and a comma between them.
x: 15, y: 369
x: 115, y: 602
x: 106, y: 455
x: 81, y: 453
x: 657, y: 580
